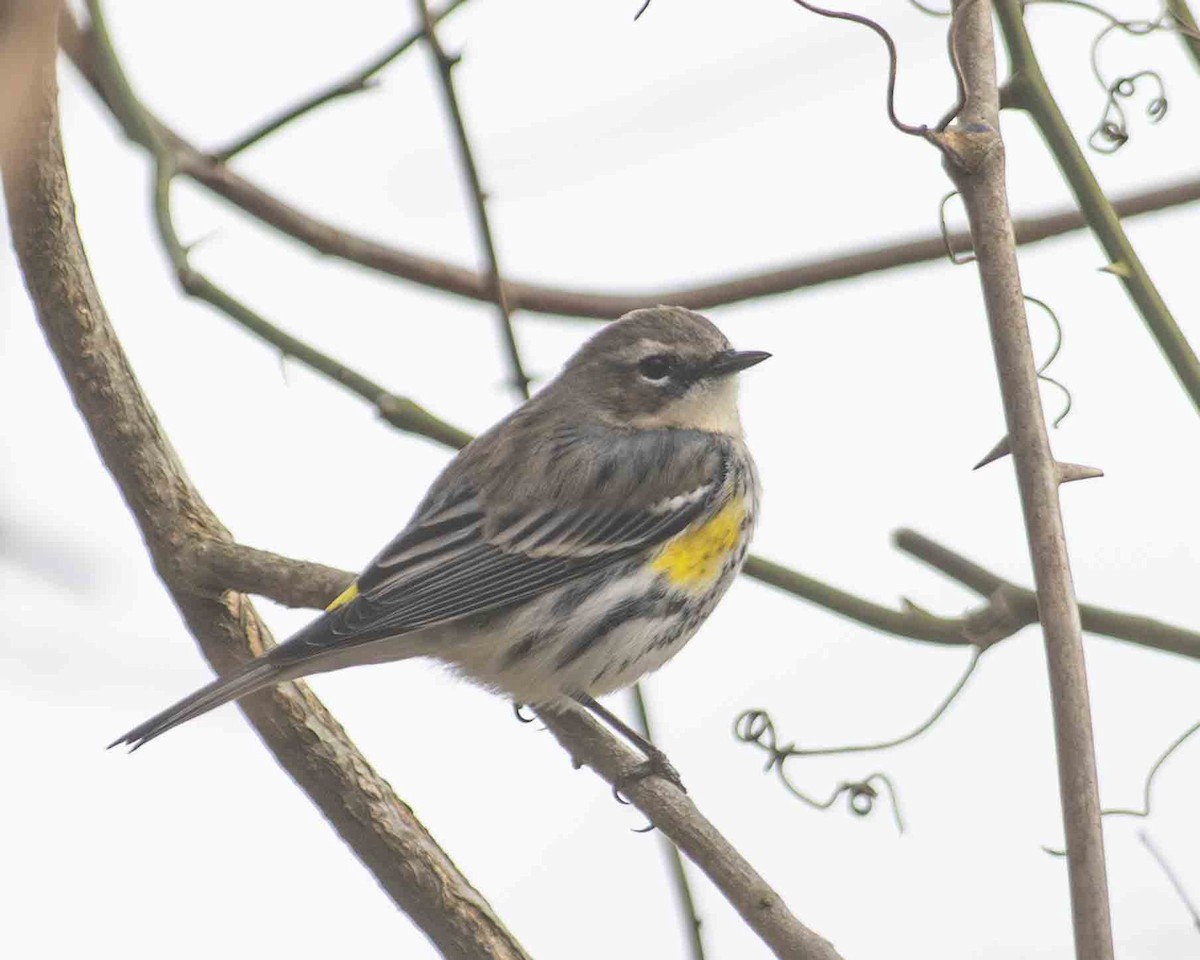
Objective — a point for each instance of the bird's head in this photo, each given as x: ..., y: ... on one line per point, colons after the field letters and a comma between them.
x: 659, y: 367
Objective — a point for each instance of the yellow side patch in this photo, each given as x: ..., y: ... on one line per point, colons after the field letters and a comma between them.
x: 343, y: 598
x: 695, y: 557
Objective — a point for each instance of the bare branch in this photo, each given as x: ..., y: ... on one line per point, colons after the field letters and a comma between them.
x: 667, y: 808
x: 1027, y: 89
x: 304, y: 738
x: 222, y: 565
x: 687, y: 904
x: 983, y: 628
x: 674, y: 813
x: 1129, y: 627
x: 399, y: 411
x: 428, y: 271
x: 361, y: 79
x: 974, y: 154
x: 1172, y: 878
x: 445, y: 65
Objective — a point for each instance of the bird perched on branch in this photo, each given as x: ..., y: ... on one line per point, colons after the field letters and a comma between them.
x: 566, y: 552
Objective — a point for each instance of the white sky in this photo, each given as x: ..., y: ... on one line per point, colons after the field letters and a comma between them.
x: 708, y: 138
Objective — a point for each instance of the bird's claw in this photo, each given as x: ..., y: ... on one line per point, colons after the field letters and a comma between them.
x: 656, y: 764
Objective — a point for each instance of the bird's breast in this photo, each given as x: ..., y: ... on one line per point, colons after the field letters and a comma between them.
x: 695, y: 559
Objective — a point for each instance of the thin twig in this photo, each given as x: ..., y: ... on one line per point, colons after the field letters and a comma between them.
x: 976, y: 165
x: 428, y: 271
x: 1172, y: 877
x: 445, y: 67
x: 687, y: 904
x: 399, y: 411
x: 361, y: 79
x: 1027, y: 89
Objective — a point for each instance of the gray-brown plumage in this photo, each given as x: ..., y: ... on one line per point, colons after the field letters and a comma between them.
x: 569, y: 549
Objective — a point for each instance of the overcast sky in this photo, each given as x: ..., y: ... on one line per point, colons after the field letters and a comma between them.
x: 707, y: 138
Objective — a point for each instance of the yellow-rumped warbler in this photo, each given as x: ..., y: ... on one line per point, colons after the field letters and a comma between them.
x: 572, y: 548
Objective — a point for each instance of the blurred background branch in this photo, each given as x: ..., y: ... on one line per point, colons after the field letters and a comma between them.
x: 1027, y: 90
x: 596, y: 305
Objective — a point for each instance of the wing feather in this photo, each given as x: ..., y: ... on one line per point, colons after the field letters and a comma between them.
x: 462, y: 556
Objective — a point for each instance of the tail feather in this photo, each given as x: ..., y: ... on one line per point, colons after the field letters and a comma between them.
x: 245, y: 680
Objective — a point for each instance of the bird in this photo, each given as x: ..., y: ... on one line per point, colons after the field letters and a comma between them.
x: 566, y: 552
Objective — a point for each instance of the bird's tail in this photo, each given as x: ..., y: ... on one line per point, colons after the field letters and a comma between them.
x: 246, y: 679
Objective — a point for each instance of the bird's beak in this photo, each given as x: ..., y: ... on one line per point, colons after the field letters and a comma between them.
x: 733, y: 361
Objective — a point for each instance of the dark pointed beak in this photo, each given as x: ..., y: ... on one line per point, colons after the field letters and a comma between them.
x: 733, y: 361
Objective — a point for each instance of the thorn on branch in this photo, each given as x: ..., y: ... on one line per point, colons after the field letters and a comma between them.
x: 1070, y: 472
x: 1117, y: 269
x: 999, y: 451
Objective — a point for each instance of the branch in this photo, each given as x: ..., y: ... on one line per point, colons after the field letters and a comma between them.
x: 669, y: 809
x: 982, y: 628
x: 427, y: 271
x: 1022, y: 602
x: 1027, y: 90
x: 1190, y: 32
x: 687, y: 904
x: 223, y: 565
x: 673, y: 812
x: 305, y: 739
x: 356, y: 82
x: 1172, y: 878
x: 399, y: 411
x: 445, y: 65
x: 974, y: 155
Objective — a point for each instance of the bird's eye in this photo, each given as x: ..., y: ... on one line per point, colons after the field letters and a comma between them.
x: 657, y: 367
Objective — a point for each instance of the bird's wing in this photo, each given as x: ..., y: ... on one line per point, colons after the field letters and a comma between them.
x: 461, y: 555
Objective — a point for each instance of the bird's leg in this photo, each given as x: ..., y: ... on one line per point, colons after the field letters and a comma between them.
x: 656, y: 763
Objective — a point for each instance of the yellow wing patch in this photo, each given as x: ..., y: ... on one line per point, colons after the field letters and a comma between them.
x: 695, y: 557
x: 344, y: 597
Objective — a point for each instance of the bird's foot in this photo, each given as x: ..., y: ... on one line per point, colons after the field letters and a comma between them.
x: 656, y: 764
